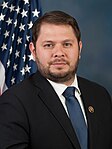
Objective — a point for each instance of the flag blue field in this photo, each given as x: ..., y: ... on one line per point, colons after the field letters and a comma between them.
x: 16, y: 20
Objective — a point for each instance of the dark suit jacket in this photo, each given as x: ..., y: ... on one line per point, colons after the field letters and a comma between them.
x: 32, y: 116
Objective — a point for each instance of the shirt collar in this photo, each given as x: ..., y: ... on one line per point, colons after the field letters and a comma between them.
x: 60, y: 88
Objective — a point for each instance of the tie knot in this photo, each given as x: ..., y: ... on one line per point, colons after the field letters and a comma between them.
x: 70, y: 91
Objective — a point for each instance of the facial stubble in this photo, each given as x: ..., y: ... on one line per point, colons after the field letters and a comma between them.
x: 57, y: 77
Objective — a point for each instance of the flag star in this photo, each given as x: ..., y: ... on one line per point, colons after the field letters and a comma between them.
x: 31, y: 57
x: 35, y: 13
x: 2, y: 17
x: 6, y: 34
x: 10, y: 50
x: 17, y: 10
x: 21, y: 27
x: 9, y: 21
x: 30, y: 25
x: 26, y: 1
x: 27, y: 37
x: 13, y: 37
x: 13, y: 80
x: 8, y: 63
x: 24, y: 58
x: 27, y: 69
x: 11, y: 8
x: 4, y: 46
x: 24, y: 13
x: 23, y: 71
x: 5, y: 5
x: 15, y: 67
x: 19, y: 40
x: 25, y: 45
x: 17, y: 54
x: 15, y: 23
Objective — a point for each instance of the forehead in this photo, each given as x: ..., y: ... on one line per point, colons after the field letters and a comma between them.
x: 50, y: 26
x: 56, y: 30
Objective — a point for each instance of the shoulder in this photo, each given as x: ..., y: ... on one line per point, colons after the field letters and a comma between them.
x: 96, y: 95
x: 24, y: 86
x: 28, y: 89
x: 88, y: 83
x: 27, y: 85
x: 92, y: 87
x: 21, y: 91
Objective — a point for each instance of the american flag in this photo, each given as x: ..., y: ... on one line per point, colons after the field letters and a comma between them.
x: 16, y: 20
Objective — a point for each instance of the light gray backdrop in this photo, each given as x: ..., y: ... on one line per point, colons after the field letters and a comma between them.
x: 95, y: 21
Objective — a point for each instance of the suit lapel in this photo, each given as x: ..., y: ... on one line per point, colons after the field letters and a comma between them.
x: 53, y: 103
x: 89, y: 105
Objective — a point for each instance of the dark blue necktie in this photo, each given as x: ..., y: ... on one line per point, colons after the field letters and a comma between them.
x: 76, y: 116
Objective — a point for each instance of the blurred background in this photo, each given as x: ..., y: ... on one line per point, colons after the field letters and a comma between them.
x: 95, y: 21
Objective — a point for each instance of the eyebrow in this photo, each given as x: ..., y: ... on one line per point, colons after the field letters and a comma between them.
x: 50, y: 41
x: 47, y: 41
x: 67, y: 40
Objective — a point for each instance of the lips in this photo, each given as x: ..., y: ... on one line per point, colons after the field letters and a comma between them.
x: 59, y: 62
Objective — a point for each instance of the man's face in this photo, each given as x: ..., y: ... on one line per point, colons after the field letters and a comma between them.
x: 57, y: 52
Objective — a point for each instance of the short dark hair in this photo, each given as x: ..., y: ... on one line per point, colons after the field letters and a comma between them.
x: 57, y: 18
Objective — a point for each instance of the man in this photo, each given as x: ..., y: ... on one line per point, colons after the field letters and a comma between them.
x: 34, y: 113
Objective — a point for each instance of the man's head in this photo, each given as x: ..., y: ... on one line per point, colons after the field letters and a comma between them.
x: 56, y: 46
x: 57, y: 18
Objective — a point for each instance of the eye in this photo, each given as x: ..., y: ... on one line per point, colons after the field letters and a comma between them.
x: 67, y: 44
x: 48, y: 46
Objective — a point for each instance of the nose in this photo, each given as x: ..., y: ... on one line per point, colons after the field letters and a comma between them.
x: 58, y: 51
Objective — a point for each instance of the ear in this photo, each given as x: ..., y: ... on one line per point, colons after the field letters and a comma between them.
x: 32, y: 49
x: 80, y: 48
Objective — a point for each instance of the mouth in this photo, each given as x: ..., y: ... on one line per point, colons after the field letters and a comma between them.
x: 59, y: 63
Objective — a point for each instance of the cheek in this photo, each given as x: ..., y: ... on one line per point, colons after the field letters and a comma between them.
x: 43, y: 57
x: 73, y: 56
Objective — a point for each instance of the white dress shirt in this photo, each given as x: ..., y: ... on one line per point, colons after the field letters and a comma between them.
x: 60, y: 88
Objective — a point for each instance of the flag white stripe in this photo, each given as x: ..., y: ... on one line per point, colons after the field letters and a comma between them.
x: 3, y: 86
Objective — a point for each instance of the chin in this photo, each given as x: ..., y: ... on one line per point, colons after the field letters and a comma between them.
x: 59, y: 73
x: 60, y: 78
